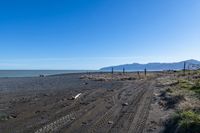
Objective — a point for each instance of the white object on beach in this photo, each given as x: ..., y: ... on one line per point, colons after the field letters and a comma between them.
x: 77, y: 96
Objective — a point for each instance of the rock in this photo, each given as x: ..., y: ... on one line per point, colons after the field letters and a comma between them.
x: 110, y: 122
x: 41, y: 76
x: 85, y: 83
x: 84, y: 123
x: 125, y: 104
x: 37, y: 112
x: 73, y: 118
x: 13, y: 116
x: 45, y: 95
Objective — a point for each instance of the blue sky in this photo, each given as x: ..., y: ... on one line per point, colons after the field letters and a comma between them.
x: 90, y: 34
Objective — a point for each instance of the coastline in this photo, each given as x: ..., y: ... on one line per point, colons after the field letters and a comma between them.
x: 36, y: 73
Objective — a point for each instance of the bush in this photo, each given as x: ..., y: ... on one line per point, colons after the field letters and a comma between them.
x: 184, y: 122
x: 185, y: 84
x: 196, y: 88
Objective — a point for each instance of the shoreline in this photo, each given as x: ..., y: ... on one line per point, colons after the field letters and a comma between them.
x: 46, y: 73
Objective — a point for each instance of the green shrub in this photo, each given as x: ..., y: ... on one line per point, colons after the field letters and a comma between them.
x: 187, y: 122
x: 188, y: 118
x: 196, y: 88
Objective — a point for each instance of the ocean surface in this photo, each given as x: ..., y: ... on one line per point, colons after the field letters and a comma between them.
x: 36, y: 73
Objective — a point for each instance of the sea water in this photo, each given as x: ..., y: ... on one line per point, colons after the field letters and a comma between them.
x: 35, y: 73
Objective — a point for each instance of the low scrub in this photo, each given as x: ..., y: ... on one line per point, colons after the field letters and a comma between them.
x: 185, y: 84
x: 184, y: 122
x: 171, y: 101
x: 196, y: 88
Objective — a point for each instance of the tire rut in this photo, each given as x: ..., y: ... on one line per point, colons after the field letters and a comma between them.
x: 128, y: 114
x: 139, y: 122
x: 103, y: 121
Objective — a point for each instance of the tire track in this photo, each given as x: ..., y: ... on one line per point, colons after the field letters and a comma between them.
x: 139, y: 122
x: 59, y: 123
x: 74, y: 112
x: 56, y: 125
x: 109, y: 98
x: 103, y: 121
x: 128, y: 114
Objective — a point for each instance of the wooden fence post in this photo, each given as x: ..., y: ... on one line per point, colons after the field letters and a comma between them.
x: 123, y: 70
x: 145, y: 72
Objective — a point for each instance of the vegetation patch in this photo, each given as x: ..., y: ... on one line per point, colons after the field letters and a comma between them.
x: 190, y: 86
x: 185, y: 84
x: 196, y: 88
x: 171, y: 101
x: 184, y: 122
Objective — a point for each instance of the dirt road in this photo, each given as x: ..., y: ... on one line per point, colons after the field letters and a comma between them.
x: 103, y: 107
x: 118, y: 111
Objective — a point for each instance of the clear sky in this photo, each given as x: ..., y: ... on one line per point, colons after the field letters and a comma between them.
x: 90, y: 34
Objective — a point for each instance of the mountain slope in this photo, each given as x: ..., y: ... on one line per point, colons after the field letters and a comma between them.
x: 153, y: 66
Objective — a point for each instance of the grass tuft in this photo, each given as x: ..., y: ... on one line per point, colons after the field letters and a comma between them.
x: 196, y: 88
x: 189, y: 119
x: 185, y: 122
x: 185, y: 84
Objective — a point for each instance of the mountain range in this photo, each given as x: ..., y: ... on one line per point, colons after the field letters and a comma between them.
x: 155, y: 66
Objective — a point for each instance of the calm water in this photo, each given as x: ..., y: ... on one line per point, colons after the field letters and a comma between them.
x: 35, y: 73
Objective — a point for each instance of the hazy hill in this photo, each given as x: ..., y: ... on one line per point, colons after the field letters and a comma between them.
x: 153, y: 66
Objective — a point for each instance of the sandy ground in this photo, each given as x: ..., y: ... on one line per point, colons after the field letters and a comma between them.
x: 119, y: 103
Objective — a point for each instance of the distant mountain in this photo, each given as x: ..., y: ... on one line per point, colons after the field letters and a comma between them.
x: 153, y: 66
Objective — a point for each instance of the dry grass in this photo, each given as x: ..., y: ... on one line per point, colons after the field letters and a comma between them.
x: 115, y: 76
x: 187, y: 119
